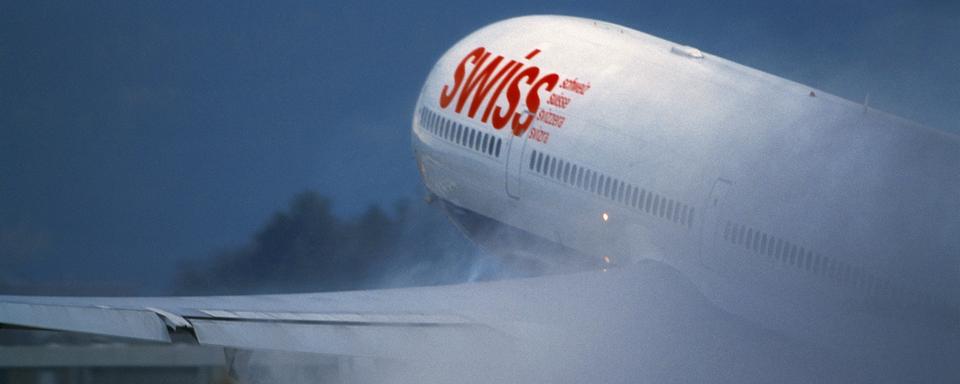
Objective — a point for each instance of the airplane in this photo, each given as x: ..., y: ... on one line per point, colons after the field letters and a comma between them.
x: 593, y: 147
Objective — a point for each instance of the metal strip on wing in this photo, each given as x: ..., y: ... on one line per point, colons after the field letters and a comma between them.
x: 406, y: 319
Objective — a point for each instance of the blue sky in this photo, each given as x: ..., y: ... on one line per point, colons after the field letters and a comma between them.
x: 134, y: 135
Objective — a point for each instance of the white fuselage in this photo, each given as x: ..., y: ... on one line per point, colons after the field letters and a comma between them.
x: 780, y: 202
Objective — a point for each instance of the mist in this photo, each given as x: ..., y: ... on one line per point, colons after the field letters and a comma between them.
x: 639, y: 323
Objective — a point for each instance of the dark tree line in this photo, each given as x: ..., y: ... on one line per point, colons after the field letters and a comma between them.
x: 308, y: 248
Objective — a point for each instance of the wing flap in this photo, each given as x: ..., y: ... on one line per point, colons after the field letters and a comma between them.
x: 129, y: 323
x: 392, y: 341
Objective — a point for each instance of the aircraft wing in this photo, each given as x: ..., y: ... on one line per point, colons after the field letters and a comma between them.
x: 440, y: 322
x: 645, y: 321
x: 397, y: 323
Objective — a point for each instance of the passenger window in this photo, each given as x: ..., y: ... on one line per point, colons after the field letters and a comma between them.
x: 533, y: 159
x: 763, y: 243
x: 484, y: 143
x: 566, y: 172
x: 499, y: 141
x: 553, y: 167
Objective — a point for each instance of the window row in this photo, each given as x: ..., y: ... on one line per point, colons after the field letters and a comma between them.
x: 611, y: 188
x: 457, y: 133
x: 787, y: 253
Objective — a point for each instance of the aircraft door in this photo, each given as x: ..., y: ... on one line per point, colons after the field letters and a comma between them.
x: 711, y: 221
x: 515, y: 149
